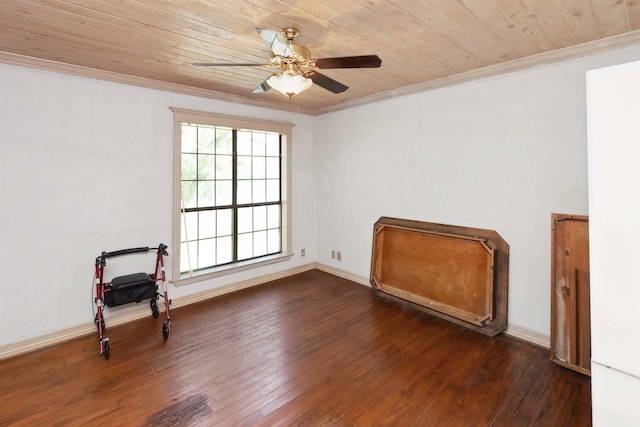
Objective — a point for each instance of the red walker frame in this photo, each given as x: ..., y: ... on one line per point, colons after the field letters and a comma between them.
x: 102, y: 288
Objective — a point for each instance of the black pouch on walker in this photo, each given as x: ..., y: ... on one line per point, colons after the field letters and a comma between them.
x: 130, y: 288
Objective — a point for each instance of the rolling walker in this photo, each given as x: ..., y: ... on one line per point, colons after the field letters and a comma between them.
x: 130, y: 288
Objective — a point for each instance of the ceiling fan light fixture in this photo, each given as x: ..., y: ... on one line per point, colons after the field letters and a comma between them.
x: 289, y: 83
x: 297, y: 68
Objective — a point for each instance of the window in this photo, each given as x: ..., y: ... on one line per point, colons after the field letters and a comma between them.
x: 231, y: 194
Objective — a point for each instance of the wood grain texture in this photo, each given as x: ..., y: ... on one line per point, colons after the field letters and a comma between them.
x: 418, y: 41
x: 570, y: 292
x: 455, y: 272
x: 448, y: 273
x: 308, y: 350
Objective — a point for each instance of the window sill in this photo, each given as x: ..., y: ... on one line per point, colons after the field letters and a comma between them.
x: 185, y: 279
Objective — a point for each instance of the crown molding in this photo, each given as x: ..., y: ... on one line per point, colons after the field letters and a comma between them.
x: 546, y: 58
x: 541, y: 59
x: 77, y: 70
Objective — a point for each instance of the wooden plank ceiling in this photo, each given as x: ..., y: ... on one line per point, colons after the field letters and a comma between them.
x: 421, y: 42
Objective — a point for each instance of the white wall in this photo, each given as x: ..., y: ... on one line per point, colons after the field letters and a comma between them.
x: 86, y: 166
x: 614, y: 233
x: 501, y: 153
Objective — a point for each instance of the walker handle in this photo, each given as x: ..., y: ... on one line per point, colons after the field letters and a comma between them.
x: 102, y: 259
x: 124, y: 252
x: 162, y: 249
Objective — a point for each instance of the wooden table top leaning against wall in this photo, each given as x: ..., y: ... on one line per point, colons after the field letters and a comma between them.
x: 457, y: 273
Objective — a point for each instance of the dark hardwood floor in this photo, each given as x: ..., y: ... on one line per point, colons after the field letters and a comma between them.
x: 308, y: 350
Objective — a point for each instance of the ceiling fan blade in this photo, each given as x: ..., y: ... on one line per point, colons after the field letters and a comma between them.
x: 363, y: 61
x: 328, y: 83
x: 275, y: 41
x: 226, y: 64
x: 264, y: 86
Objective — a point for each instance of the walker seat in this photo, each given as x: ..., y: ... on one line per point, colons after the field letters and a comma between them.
x: 130, y: 288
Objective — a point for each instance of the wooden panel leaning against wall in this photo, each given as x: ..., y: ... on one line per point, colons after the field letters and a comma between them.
x: 457, y: 273
x: 570, y: 296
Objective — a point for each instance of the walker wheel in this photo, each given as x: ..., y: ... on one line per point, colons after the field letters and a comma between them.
x: 154, y: 309
x: 165, y: 330
x: 106, y: 350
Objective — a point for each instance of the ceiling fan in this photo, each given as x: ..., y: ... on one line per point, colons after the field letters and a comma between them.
x: 296, y: 69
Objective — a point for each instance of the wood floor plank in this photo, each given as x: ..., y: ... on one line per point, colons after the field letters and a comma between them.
x: 307, y: 350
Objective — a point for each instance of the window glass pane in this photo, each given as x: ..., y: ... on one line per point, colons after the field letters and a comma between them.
x: 206, y: 224
x: 206, y: 253
x: 273, y: 167
x: 259, y: 191
x: 244, y: 143
x: 206, y: 166
x: 244, y: 192
x: 224, y: 141
x: 224, y: 250
x: 188, y: 252
x: 206, y: 193
x: 206, y: 140
x: 188, y: 167
x: 224, y: 167
x: 274, y: 241
x: 259, y: 243
x: 259, y: 218
x: 273, y: 190
x: 224, y: 196
x: 245, y: 220
x: 258, y: 168
x: 189, y: 141
x: 273, y: 216
x: 273, y: 144
x: 189, y: 198
x: 245, y: 246
x: 190, y: 232
x: 244, y: 167
x: 259, y: 148
x: 225, y: 223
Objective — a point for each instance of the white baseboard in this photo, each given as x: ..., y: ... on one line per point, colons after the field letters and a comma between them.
x: 345, y: 275
x: 211, y: 293
x: 515, y: 331
x: 527, y: 335
x: 58, y: 337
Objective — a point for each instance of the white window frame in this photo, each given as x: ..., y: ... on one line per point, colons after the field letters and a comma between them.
x: 181, y: 116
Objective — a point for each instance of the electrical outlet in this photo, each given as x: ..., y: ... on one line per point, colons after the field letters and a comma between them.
x: 303, y: 252
x: 333, y: 254
x: 339, y: 256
